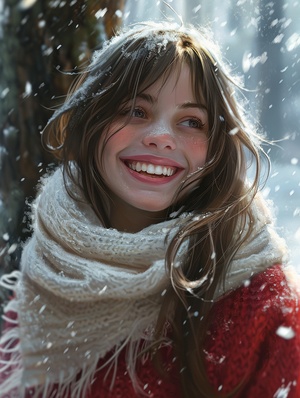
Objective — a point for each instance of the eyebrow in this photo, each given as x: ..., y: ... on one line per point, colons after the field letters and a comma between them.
x: 147, y: 97
x: 152, y: 100
x: 193, y: 105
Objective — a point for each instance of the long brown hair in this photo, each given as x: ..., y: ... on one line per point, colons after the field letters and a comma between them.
x: 130, y: 63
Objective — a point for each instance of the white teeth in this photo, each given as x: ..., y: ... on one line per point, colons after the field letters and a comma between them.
x: 158, y: 170
x: 152, y: 169
x: 138, y: 167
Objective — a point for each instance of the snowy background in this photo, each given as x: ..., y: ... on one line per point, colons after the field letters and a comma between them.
x: 283, y: 188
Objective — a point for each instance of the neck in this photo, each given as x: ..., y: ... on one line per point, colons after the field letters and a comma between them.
x: 131, y: 219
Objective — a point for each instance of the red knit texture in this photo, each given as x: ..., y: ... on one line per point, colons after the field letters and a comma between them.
x: 254, y: 339
x: 250, y: 341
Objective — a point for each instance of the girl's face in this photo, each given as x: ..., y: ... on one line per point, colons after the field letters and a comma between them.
x: 145, y: 162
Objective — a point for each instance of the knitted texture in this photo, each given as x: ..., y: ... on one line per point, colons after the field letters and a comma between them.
x: 254, y: 337
x: 86, y: 290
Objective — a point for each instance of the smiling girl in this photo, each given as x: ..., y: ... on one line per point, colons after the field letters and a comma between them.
x: 154, y: 268
x: 162, y: 139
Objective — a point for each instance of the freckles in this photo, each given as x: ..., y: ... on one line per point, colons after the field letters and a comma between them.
x: 198, y: 144
x: 196, y: 139
x: 197, y: 152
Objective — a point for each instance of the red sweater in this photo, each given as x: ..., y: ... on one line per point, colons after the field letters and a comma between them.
x: 255, y: 336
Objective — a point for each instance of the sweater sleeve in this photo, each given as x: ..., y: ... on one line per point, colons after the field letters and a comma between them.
x: 254, y: 339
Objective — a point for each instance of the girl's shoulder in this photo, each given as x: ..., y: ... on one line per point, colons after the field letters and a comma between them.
x: 267, y: 299
x: 255, y: 336
x: 275, y: 285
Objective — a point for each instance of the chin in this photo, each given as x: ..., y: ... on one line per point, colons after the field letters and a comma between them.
x: 151, y: 207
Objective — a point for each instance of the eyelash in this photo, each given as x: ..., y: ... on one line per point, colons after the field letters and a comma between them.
x: 137, y: 109
x: 131, y: 113
x: 199, y: 123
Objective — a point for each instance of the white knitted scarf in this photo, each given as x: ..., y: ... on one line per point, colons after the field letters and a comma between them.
x: 85, y: 290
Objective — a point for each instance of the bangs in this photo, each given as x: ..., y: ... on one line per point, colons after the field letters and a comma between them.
x: 143, y: 63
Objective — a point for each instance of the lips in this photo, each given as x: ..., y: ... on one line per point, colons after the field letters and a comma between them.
x: 152, y: 169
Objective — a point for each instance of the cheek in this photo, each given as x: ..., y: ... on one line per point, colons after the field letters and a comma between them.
x: 197, y: 152
x: 110, y: 145
x: 117, y: 138
x: 107, y: 143
x: 104, y: 154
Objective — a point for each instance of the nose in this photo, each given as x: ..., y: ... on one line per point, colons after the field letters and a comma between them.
x: 160, y: 138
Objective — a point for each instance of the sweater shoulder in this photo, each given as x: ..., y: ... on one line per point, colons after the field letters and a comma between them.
x: 271, y: 289
x: 266, y: 303
x: 254, y: 336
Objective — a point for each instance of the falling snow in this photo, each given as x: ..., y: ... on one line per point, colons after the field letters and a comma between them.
x: 237, y: 33
x: 286, y: 333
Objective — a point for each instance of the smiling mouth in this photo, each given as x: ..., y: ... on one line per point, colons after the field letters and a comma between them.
x: 151, y: 169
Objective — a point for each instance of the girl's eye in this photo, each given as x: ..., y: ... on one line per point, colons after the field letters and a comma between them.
x: 135, y: 112
x: 138, y: 112
x: 193, y: 123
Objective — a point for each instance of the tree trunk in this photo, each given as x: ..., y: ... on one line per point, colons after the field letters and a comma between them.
x: 39, y: 42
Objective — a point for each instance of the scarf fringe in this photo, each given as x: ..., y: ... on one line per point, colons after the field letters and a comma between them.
x: 10, y: 357
x: 12, y: 383
x: 133, y: 349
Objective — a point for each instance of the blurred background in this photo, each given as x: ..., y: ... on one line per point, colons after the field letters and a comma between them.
x: 43, y: 42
